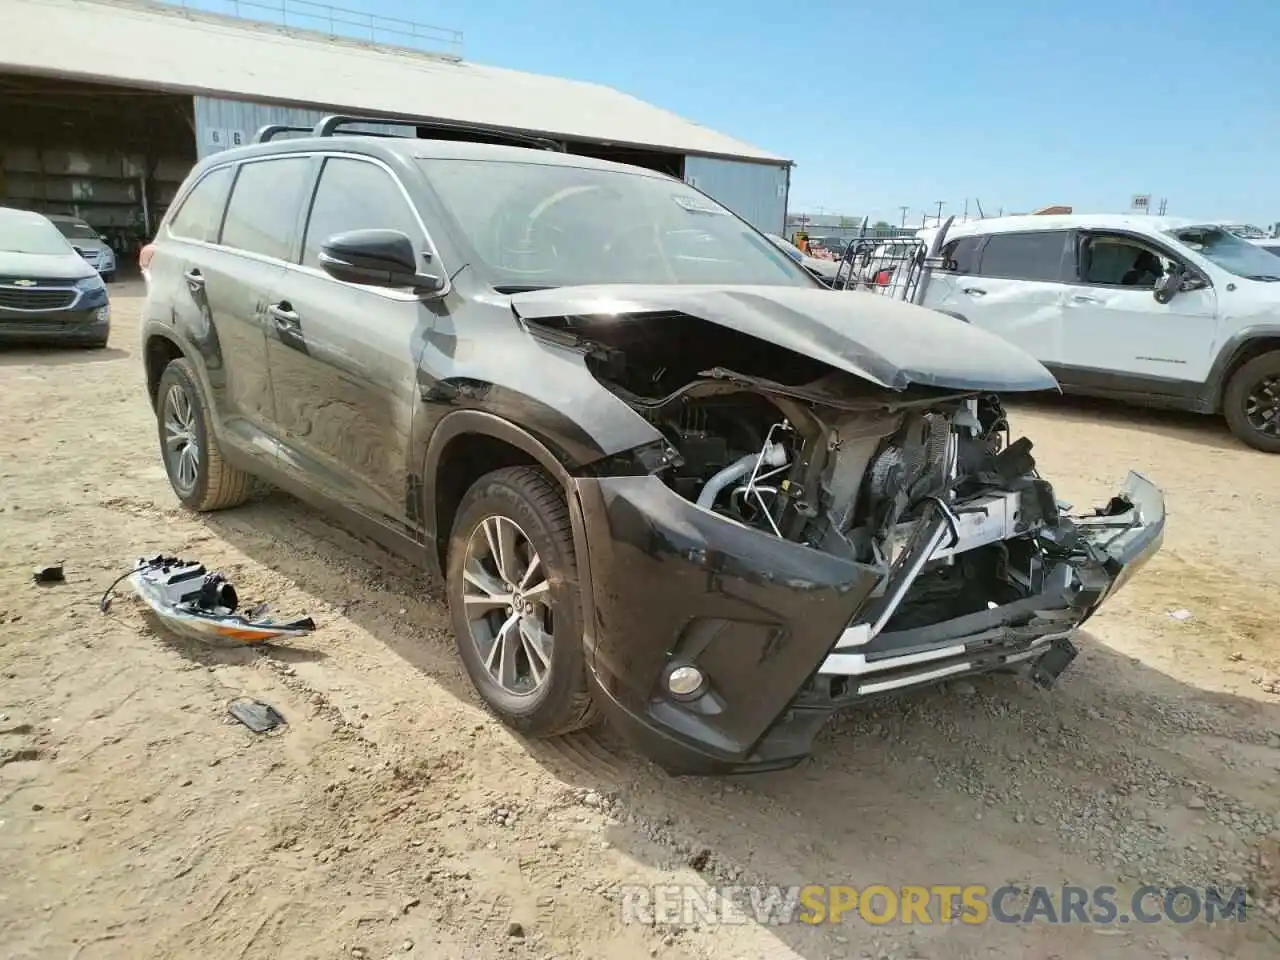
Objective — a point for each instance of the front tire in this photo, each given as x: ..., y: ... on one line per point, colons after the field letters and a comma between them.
x: 513, y: 599
x: 1251, y: 403
x: 198, y: 473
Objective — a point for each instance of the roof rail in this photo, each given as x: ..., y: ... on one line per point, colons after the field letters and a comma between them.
x: 329, y: 127
x: 273, y: 129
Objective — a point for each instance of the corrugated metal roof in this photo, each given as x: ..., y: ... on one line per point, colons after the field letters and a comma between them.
x: 162, y: 47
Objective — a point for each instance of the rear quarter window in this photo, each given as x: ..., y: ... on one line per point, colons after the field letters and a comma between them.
x: 962, y: 255
x: 200, y: 215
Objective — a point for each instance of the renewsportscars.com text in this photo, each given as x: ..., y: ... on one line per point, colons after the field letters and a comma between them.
x: 691, y: 905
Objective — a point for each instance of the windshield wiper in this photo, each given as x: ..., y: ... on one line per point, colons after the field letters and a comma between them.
x: 1263, y: 277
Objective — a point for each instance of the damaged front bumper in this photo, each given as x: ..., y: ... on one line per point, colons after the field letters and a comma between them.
x: 783, y: 635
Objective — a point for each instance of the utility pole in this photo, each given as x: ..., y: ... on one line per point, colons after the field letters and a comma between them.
x: 966, y: 209
x: 904, y: 215
x: 941, y: 204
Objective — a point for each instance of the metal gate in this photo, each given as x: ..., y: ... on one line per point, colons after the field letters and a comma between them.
x: 897, y: 267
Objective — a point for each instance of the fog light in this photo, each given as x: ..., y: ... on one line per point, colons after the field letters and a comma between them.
x: 685, y: 681
x: 103, y: 314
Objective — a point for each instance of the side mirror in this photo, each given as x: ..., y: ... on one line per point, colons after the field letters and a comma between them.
x: 376, y: 258
x: 1168, y: 286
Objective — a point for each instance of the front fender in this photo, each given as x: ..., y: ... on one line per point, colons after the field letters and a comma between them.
x: 463, y: 422
x: 1216, y: 382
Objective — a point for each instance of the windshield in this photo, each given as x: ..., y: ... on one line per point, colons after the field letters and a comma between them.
x: 1229, y: 252
x: 28, y: 234
x: 76, y: 230
x: 541, y: 225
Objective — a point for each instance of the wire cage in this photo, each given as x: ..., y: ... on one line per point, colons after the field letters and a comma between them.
x: 889, y: 266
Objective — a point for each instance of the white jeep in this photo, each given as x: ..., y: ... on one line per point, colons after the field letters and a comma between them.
x: 1158, y: 311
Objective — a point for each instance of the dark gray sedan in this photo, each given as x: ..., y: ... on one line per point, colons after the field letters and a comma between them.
x: 48, y: 292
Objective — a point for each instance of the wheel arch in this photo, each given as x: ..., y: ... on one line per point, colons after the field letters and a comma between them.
x: 1246, y: 345
x: 464, y: 446
x: 159, y: 349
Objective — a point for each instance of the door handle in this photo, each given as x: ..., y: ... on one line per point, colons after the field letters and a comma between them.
x: 1081, y: 298
x: 194, y: 278
x: 285, y: 318
x: 975, y: 292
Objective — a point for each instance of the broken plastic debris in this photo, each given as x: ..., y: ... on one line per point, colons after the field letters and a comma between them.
x: 50, y: 574
x: 256, y: 715
x: 1180, y: 614
x: 199, y: 605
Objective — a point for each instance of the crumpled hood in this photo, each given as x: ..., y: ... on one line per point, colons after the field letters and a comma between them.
x: 885, y: 341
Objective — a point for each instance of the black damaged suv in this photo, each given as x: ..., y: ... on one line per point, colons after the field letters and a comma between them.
x: 665, y: 474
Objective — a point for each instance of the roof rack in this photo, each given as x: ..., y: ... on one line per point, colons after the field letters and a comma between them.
x: 329, y: 127
x: 273, y: 129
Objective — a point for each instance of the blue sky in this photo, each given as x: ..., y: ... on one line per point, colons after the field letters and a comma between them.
x: 1016, y: 104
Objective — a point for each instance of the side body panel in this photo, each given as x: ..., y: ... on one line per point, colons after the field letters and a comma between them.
x: 210, y: 302
x: 1024, y: 312
x: 1163, y: 349
x: 344, y: 377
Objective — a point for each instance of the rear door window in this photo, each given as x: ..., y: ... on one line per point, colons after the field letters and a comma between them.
x: 265, y: 203
x: 355, y: 195
x: 200, y: 215
x: 1025, y: 256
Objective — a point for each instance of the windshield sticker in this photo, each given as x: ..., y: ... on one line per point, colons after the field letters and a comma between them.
x: 700, y: 205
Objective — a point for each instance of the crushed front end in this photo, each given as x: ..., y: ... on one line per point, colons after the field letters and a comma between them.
x: 801, y: 539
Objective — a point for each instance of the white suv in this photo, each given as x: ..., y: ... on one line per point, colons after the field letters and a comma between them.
x: 1159, y: 311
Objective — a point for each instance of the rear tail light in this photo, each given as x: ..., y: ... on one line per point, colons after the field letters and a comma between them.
x: 882, y: 278
x: 144, y: 261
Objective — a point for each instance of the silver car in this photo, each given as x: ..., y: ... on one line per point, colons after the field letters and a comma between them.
x: 89, y: 243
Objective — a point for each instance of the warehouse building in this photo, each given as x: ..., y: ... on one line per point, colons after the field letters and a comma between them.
x: 106, y: 104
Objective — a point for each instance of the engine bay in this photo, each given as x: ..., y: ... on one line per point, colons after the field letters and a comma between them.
x: 922, y: 484
x: 838, y: 482
x: 937, y: 488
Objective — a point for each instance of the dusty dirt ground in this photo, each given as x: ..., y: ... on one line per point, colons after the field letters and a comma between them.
x: 393, y: 816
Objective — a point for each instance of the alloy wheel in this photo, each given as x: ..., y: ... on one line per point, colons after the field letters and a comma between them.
x: 181, y: 446
x: 507, y: 598
x: 1262, y: 406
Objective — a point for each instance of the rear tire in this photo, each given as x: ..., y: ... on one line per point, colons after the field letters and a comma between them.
x: 200, y: 476
x: 512, y: 530
x: 1251, y: 403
